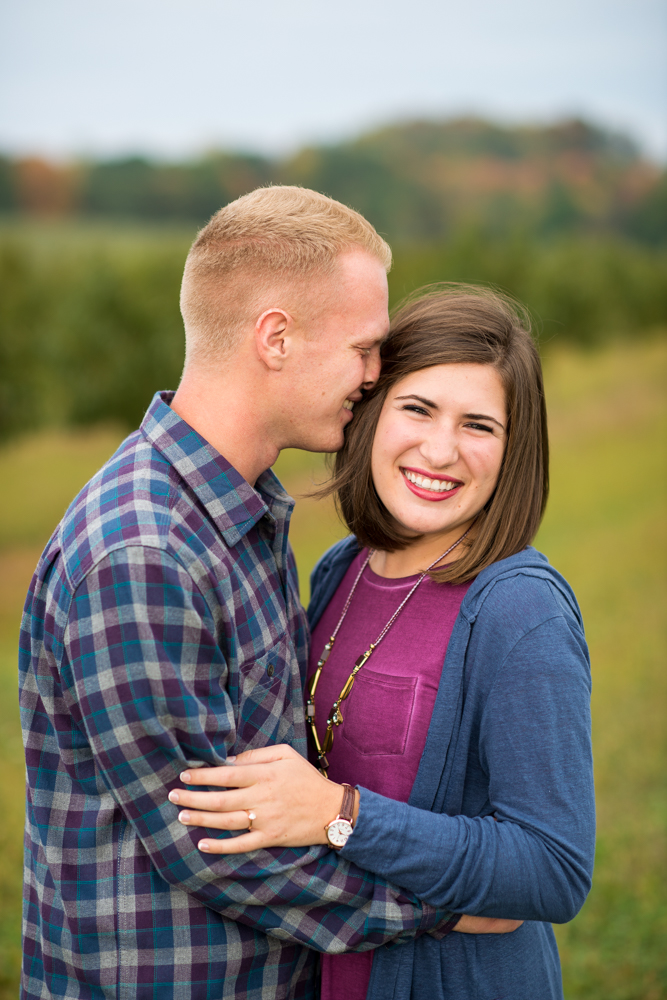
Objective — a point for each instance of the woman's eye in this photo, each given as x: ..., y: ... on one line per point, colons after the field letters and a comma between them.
x: 481, y: 427
x: 416, y: 409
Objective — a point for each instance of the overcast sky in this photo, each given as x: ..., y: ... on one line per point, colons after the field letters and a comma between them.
x: 173, y: 77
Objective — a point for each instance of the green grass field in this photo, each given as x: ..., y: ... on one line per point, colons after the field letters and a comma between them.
x: 605, y: 530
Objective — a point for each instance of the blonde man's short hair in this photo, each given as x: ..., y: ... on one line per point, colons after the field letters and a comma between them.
x: 273, y: 233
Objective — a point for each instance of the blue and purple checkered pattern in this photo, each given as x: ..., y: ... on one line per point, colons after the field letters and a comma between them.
x: 163, y: 629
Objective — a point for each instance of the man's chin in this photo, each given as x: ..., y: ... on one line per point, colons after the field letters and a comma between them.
x: 328, y: 443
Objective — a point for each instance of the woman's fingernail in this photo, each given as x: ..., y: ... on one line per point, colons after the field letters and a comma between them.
x: 231, y: 760
x: 185, y: 777
x: 184, y: 816
x: 203, y: 845
x: 174, y: 796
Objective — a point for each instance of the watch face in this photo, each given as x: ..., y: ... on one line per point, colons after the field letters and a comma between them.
x: 338, y: 832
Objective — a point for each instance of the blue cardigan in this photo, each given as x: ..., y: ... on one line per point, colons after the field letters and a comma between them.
x: 501, y: 818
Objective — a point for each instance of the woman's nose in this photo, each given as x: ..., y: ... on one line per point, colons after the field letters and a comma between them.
x: 440, y: 449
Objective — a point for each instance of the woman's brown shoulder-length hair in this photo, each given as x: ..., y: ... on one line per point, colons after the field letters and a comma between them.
x: 457, y: 324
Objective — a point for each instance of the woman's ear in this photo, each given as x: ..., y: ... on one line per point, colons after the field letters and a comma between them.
x: 273, y: 333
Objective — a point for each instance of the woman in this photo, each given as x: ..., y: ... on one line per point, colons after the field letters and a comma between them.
x: 449, y: 677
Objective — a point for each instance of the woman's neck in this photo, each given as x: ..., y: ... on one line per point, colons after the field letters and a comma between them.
x: 417, y: 556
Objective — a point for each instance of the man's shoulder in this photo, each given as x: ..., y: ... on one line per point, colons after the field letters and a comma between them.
x: 127, y: 502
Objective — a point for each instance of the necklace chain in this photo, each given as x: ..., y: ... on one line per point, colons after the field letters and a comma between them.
x: 336, y: 715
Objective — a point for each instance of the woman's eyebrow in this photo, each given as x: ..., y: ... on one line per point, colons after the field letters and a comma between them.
x: 426, y: 402
x: 482, y: 416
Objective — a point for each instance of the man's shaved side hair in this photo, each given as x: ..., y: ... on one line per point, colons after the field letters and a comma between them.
x: 272, y: 236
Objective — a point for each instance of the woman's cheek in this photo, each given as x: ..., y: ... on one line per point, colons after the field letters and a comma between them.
x: 487, y: 462
x: 489, y: 475
x: 386, y: 452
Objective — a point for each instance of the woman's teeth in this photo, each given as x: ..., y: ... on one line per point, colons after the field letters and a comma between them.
x: 424, y: 483
x: 348, y: 404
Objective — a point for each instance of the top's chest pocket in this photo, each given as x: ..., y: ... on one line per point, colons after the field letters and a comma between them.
x: 378, y: 712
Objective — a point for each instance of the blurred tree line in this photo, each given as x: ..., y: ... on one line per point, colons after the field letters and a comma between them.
x: 567, y: 218
x: 416, y: 181
x: 90, y: 327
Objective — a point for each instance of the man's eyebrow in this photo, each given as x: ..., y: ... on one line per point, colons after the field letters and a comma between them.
x: 372, y: 341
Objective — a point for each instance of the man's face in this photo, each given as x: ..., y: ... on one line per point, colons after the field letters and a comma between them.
x: 337, y: 354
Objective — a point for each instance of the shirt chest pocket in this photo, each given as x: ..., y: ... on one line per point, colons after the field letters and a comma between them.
x: 265, y: 682
x: 378, y: 712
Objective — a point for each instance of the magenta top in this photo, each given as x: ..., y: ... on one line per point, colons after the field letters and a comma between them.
x: 387, y: 715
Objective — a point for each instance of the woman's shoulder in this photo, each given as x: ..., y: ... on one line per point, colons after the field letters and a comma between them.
x: 524, y: 617
x: 334, y: 561
x: 521, y: 592
x: 329, y: 571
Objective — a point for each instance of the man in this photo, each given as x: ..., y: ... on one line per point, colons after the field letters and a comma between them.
x: 163, y: 630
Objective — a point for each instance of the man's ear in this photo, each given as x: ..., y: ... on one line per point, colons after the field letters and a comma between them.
x: 273, y: 334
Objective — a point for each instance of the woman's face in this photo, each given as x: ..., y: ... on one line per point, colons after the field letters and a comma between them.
x: 438, y: 447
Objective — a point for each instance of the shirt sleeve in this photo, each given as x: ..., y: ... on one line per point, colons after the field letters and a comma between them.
x: 146, y: 681
x: 531, y: 858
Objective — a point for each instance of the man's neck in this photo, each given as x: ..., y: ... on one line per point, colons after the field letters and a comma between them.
x: 227, y: 413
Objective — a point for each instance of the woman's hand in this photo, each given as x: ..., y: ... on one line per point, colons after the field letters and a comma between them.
x: 290, y: 800
x: 486, y: 925
x: 291, y: 804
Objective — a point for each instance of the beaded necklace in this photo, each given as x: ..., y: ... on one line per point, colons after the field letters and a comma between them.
x: 336, y: 715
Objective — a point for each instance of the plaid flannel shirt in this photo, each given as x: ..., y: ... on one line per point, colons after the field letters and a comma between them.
x: 163, y: 629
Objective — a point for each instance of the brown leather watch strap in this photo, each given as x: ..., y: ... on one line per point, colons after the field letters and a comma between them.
x: 347, y: 807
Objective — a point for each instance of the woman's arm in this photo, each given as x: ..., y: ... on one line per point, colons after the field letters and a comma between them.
x: 535, y: 863
x: 264, y: 781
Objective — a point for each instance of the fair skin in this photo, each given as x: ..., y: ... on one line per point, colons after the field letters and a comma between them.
x: 445, y: 425
x: 436, y: 457
x: 307, y: 352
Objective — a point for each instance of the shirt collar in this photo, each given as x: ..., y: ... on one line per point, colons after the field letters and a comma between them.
x: 229, y: 499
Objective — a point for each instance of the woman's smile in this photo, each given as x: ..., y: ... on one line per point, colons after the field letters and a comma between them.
x: 430, y: 486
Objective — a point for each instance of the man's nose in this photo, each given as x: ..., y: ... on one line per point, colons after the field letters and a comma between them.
x: 373, y: 365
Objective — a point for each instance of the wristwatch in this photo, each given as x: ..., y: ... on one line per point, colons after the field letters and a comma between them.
x: 339, y: 830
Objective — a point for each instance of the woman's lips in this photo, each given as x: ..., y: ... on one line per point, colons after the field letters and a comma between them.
x: 429, y: 494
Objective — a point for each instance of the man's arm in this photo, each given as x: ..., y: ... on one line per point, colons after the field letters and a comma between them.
x: 145, y: 679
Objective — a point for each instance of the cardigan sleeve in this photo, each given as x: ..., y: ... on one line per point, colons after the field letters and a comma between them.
x: 531, y: 858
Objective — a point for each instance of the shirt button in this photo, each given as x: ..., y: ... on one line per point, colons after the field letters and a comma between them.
x: 269, y: 670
